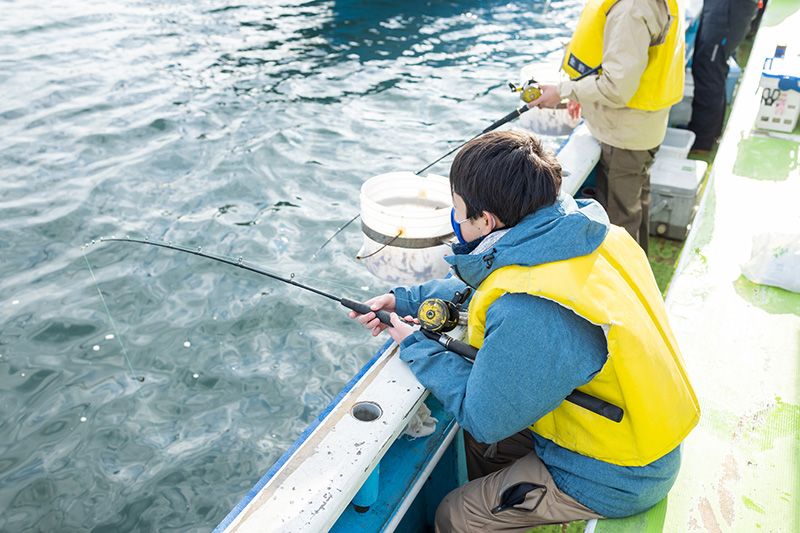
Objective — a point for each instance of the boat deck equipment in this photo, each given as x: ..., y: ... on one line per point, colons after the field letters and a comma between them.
x: 741, y: 465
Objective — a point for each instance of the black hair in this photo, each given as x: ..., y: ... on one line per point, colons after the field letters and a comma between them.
x: 508, y: 173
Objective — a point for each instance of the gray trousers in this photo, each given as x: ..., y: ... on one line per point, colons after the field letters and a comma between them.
x: 623, y: 189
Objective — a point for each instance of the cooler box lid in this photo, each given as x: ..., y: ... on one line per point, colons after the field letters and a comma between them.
x: 680, y: 177
x: 784, y: 69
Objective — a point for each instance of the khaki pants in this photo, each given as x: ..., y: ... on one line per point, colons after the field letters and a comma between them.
x: 470, y: 508
x: 623, y: 189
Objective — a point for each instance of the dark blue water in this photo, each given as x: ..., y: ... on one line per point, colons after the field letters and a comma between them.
x: 243, y: 128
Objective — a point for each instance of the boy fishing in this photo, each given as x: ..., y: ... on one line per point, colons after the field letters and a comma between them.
x: 561, y: 300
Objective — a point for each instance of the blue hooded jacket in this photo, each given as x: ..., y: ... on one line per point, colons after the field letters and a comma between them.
x: 535, y: 353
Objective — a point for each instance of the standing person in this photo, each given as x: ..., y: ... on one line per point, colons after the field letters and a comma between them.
x: 723, y: 26
x: 562, y: 300
x: 638, y: 48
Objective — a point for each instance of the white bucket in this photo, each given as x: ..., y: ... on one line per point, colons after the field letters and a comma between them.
x: 405, y: 220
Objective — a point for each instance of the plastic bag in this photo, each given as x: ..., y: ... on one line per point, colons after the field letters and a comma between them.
x: 775, y: 261
x: 421, y: 424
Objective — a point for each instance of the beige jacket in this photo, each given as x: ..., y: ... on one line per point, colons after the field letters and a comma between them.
x: 631, y: 25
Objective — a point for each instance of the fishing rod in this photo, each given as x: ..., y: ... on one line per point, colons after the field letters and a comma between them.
x: 358, y: 307
x: 530, y: 91
x: 433, y: 316
x: 493, y: 126
x: 461, y: 348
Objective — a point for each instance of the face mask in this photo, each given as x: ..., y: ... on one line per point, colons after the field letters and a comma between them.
x: 463, y: 246
x: 457, y: 226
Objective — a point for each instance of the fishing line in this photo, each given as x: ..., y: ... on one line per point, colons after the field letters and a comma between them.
x: 361, y: 257
x: 108, y: 313
x: 337, y: 232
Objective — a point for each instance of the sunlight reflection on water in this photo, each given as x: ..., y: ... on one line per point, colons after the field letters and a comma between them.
x: 244, y: 130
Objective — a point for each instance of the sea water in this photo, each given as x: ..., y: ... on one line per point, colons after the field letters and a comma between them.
x: 243, y: 128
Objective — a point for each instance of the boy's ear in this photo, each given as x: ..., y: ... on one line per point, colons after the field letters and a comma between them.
x: 492, y: 220
x: 489, y: 220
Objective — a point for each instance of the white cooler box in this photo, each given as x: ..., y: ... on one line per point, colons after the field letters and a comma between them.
x: 674, y: 186
x: 780, y: 92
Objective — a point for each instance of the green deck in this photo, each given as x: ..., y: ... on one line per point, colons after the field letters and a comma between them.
x: 740, y: 341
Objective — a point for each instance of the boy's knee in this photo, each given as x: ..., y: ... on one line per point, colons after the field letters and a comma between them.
x: 449, y: 514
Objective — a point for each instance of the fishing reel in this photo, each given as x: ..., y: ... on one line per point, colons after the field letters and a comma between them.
x: 440, y: 316
x: 529, y: 91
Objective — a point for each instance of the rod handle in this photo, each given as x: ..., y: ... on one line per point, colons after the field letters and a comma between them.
x: 581, y: 399
x: 467, y: 351
x: 463, y: 349
x: 596, y: 405
x: 362, y: 309
x: 508, y: 118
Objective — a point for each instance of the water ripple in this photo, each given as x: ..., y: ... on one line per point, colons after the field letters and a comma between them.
x: 245, y: 129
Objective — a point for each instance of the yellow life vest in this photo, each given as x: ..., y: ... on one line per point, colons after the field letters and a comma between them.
x: 612, y: 287
x: 661, y: 84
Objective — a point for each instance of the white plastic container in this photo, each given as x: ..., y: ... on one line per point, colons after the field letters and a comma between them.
x: 674, y: 186
x: 405, y: 220
x: 780, y: 93
x: 676, y: 144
